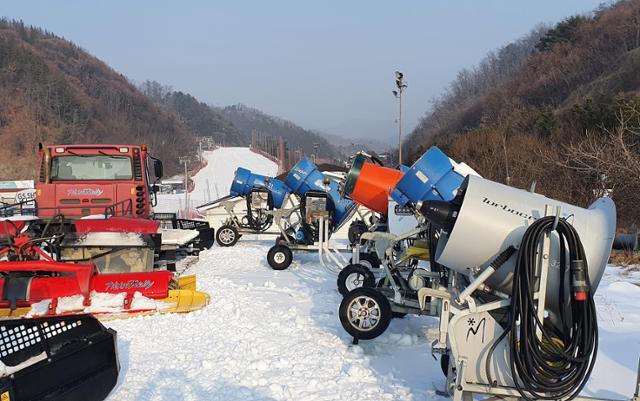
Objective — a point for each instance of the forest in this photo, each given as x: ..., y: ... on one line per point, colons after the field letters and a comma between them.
x: 559, y: 107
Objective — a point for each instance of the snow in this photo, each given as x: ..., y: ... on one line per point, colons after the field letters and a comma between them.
x: 275, y: 335
x: 271, y: 335
x: 214, y: 180
x: 110, y: 239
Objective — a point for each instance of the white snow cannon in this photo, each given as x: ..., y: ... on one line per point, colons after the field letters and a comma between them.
x: 519, y: 320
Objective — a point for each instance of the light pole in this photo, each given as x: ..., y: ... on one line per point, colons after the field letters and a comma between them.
x: 398, y: 94
x: 185, y: 160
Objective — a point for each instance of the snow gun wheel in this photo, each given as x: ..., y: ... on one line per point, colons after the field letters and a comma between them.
x: 365, y: 313
x: 356, y: 229
x: 355, y: 276
x: 369, y: 260
x: 227, y: 235
x: 279, y: 257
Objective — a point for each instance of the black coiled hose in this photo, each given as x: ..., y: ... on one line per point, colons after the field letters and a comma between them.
x: 558, y: 365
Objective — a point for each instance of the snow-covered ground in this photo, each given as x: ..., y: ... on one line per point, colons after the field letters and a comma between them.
x: 270, y: 335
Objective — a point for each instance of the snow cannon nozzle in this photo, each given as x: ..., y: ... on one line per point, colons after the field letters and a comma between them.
x: 440, y: 213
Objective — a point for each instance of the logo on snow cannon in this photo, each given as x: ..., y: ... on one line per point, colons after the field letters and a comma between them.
x: 245, y: 181
x: 305, y: 176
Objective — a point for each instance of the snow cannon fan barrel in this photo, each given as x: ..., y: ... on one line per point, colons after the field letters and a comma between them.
x: 245, y: 181
x: 434, y: 176
x: 305, y: 177
x: 369, y: 184
x: 486, y: 218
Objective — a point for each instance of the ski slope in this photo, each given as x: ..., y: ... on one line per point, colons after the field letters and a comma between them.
x: 270, y: 335
x: 214, y: 180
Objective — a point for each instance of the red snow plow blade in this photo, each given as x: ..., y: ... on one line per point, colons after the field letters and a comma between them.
x: 44, y: 288
x: 105, y: 273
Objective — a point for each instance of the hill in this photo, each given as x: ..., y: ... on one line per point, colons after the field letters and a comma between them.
x: 250, y: 120
x: 53, y: 91
x: 200, y: 118
x: 560, y: 106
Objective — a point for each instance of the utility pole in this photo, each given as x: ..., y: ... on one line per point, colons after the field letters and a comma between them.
x: 185, y: 160
x: 398, y: 94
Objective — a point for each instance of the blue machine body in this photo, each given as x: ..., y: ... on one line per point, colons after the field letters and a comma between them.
x: 431, y: 177
x: 305, y: 176
x: 245, y: 181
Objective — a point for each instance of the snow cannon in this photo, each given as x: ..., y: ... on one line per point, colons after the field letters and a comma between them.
x: 245, y: 182
x: 486, y: 218
x: 308, y: 182
x: 434, y: 176
x: 543, y: 260
x: 369, y: 184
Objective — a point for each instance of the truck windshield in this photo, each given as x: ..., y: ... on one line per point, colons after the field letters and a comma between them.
x: 91, y: 167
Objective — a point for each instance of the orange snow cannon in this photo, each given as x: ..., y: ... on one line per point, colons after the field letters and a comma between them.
x: 369, y: 184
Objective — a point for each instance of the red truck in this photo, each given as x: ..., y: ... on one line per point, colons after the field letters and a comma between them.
x: 81, y: 180
x: 117, y: 180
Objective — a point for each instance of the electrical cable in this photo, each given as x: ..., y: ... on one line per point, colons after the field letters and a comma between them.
x: 557, y: 365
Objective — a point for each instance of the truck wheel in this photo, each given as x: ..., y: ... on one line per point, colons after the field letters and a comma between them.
x: 369, y: 260
x: 279, y: 257
x: 227, y: 235
x: 355, y: 276
x: 365, y: 313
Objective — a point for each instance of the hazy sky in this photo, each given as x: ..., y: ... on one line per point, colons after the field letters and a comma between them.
x: 325, y: 64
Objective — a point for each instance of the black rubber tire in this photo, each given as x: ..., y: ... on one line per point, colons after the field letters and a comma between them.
x: 279, y: 257
x: 356, y: 229
x: 346, y: 280
x: 227, y: 235
x: 369, y: 260
x: 365, y: 297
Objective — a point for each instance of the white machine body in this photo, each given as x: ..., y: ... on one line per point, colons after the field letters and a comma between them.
x: 495, y: 216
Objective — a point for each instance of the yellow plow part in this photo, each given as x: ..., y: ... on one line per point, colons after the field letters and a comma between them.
x: 186, y: 298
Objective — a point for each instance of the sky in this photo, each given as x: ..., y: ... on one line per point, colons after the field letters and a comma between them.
x: 326, y: 65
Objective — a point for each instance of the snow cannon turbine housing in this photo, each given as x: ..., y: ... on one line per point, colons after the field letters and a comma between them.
x: 434, y: 176
x: 245, y: 181
x: 305, y: 177
x: 369, y: 184
x: 486, y: 218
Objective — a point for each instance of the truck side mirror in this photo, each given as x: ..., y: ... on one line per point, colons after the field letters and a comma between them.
x: 155, y: 188
x: 157, y: 167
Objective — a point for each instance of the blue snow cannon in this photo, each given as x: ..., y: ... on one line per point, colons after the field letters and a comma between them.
x: 431, y: 177
x: 245, y: 181
x: 305, y: 177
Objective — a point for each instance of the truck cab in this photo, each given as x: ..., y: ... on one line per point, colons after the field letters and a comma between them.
x: 82, y: 180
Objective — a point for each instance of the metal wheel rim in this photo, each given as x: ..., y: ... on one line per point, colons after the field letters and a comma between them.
x: 366, y: 264
x: 227, y: 235
x: 354, y: 280
x: 364, y: 313
x: 279, y: 257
